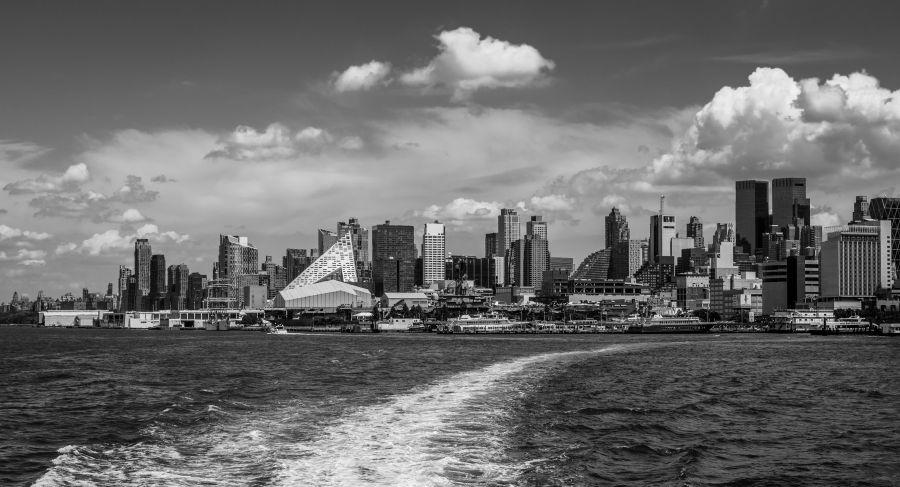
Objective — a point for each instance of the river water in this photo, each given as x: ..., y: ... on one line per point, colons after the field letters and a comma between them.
x: 127, y: 407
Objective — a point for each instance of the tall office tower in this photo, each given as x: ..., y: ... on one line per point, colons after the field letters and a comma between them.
x: 536, y: 258
x: 724, y: 233
x: 662, y: 231
x: 811, y: 240
x: 861, y: 209
x: 157, y: 282
x: 133, y: 293
x: 196, y: 290
x: 626, y: 259
x: 616, y: 228
x: 178, y: 276
x: 393, y: 258
x: 490, y: 244
x: 294, y: 261
x: 276, y: 277
x: 124, y: 274
x: 142, y: 254
x: 237, y: 258
x: 789, y: 202
x: 536, y: 227
x: 883, y: 208
x: 434, y: 253
x: 695, y: 231
x: 109, y: 289
x: 327, y: 239
x: 751, y: 213
x: 856, y: 260
x: 360, y: 238
x: 508, y: 230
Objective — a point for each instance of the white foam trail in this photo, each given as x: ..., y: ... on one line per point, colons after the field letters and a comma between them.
x: 446, y: 433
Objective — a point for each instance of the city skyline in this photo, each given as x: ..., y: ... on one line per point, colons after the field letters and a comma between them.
x: 161, y: 137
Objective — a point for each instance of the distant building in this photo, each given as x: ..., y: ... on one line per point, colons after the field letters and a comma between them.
x: 562, y: 263
x: 883, y: 208
x: 294, y: 261
x: 861, y: 209
x: 237, y: 258
x: 662, y: 231
x: 393, y: 258
x: 124, y: 273
x: 490, y: 244
x: 326, y: 239
x: 736, y: 296
x: 142, y: 255
x: 789, y: 202
x: 157, y: 295
x: 724, y: 233
x: 434, y: 252
x: 856, y: 260
x: 360, y: 240
x: 616, y: 228
x: 508, y: 231
x: 594, y: 266
x: 694, y: 231
x: 692, y: 291
x: 178, y: 277
x: 196, y: 292
x: 751, y: 213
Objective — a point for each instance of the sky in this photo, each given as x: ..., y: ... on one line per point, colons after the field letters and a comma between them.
x: 180, y: 121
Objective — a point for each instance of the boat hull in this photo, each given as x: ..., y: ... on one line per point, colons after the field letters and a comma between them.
x: 670, y: 328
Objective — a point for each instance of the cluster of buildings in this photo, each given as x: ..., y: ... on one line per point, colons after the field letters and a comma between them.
x: 770, y: 258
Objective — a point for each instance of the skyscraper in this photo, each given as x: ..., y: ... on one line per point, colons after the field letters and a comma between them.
x: 360, y: 238
x: 751, y: 213
x: 537, y: 227
x: 294, y: 261
x: 237, y: 258
x: 178, y: 276
x: 124, y: 274
x: 142, y: 255
x: 393, y: 258
x: 508, y: 230
x: 883, y: 208
x: 157, y: 282
x: 662, y: 231
x: 433, y: 253
x: 861, y: 209
x: 327, y: 239
x: 856, y: 261
x: 196, y: 290
x: 490, y: 244
x: 789, y: 202
x: 616, y: 228
x: 724, y: 233
x: 695, y: 231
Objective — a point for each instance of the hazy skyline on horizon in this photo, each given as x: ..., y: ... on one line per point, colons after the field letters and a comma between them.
x: 180, y: 121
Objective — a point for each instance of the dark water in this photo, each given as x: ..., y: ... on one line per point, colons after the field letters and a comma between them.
x: 120, y: 407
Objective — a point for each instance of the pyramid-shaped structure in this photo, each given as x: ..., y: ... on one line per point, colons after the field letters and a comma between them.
x: 338, y: 261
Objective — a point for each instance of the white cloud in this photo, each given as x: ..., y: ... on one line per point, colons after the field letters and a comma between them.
x: 73, y: 177
x: 467, y: 62
x: 552, y: 203
x: 277, y: 142
x: 462, y: 209
x: 114, y: 240
x: 16, y: 153
x: 363, y: 77
x: 25, y: 257
x: 7, y: 232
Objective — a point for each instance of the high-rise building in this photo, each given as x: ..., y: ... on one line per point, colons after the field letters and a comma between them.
x: 237, y: 258
x: 142, y: 255
x: 751, y: 213
x: 490, y: 244
x: 393, y: 258
x: 662, y: 231
x: 178, y: 277
x: 724, y: 233
x: 695, y: 231
x: 626, y: 259
x: 861, y: 209
x: 508, y: 230
x: 883, y: 208
x: 196, y: 290
x: 616, y: 228
x: 158, y: 287
x: 124, y: 274
x: 277, y: 277
x: 434, y: 253
x: 856, y: 260
x: 360, y: 239
x: 529, y: 257
x: 537, y: 227
x: 327, y: 239
x: 789, y: 202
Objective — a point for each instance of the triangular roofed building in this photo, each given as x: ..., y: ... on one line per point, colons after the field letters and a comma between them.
x: 337, y: 263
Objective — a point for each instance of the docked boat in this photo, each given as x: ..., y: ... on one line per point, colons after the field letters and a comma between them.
x: 491, y: 323
x: 852, y: 325
x: 408, y: 325
x: 278, y: 329
x: 659, y: 323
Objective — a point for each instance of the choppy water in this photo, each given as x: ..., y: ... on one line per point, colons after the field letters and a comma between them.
x: 119, y: 407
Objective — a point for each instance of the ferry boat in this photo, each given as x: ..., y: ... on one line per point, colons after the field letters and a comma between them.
x: 853, y: 325
x: 491, y: 323
x: 400, y: 325
x: 799, y: 320
x: 670, y: 323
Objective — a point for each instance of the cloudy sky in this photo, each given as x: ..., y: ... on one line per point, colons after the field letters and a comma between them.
x: 178, y: 121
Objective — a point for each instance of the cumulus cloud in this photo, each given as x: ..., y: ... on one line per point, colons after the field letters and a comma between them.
x: 74, y: 176
x: 467, y: 62
x: 7, y: 232
x: 114, y: 240
x: 846, y: 127
x: 277, y: 141
x: 133, y: 191
x: 25, y: 257
x: 363, y: 77
x: 461, y: 210
x: 162, y: 178
x: 77, y: 203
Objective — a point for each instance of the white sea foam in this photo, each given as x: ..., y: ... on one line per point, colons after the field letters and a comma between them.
x: 446, y: 433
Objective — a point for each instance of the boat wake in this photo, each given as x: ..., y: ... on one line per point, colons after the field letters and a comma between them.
x: 453, y: 431
x: 448, y: 433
